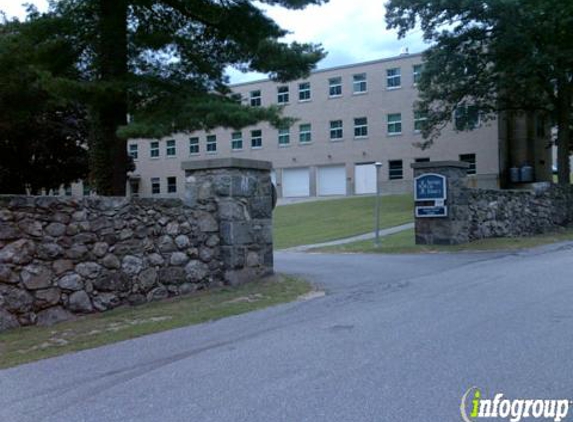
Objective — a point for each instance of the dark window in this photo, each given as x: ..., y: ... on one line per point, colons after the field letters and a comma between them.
x: 422, y: 160
x: 471, y: 160
x: 395, y: 170
x: 466, y: 117
x: 171, y: 185
x: 155, y: 186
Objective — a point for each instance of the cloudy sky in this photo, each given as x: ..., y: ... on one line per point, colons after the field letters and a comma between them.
x: 351, y: 31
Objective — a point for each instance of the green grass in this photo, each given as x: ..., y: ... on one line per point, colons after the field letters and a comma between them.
x: 403, y: 242
x: 321, y: 221
x: 29, y: 344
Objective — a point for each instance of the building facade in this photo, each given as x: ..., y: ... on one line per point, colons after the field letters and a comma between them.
x: 348, y: 118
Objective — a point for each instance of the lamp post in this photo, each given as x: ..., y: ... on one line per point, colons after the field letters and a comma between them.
x: 377, y: 239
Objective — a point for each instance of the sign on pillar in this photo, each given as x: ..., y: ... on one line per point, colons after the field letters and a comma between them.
x: 430, y: 194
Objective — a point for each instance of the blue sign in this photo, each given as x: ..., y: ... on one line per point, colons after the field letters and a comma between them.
x: 427, y: 212
x: 430, y: 187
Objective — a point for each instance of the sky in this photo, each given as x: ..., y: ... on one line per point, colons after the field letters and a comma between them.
x: 351, y: 31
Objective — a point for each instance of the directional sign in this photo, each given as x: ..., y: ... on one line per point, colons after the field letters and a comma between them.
x: 430, y: 187
x: 431, y: 212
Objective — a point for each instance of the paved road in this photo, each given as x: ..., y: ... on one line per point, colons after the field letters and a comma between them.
x: 398, y: 338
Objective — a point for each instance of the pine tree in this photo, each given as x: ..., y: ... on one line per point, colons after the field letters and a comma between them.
x: 163, y: 62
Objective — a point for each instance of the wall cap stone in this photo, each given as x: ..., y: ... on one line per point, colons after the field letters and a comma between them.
x: 219, y: 163
x: 434, y: 164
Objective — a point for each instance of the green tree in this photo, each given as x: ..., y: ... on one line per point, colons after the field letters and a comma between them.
x: 42, y: 138
x: 497, y: 55
x: 163, y: 62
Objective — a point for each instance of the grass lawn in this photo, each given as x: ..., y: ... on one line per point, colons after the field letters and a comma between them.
x: 29, y: 344
x: 321, y: 221
x: 403, y: 242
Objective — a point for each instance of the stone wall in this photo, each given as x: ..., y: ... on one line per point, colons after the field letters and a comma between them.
x: 65, y: 256
x: 482, y: 213
x: 512, y: 213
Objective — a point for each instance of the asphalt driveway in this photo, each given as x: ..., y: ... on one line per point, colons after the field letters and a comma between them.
x: 397, y: 338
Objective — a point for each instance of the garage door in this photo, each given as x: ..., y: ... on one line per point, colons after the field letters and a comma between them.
x: 296, y: 182
x: 365, y: 178
x: 331, y: 180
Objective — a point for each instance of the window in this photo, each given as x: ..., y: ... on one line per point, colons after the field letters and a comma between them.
x: 422, y: 160
x: 335, y: 87
x: 155, y: 186
x: 395, y: 170
x: 133, y: 151
x: 466, y: 117
x: 170, y: 148
x: 211, y: 144
x: 420, y: 118
x: 471, y: 160
x: 154, y: 149
x: 193, y: 146
x: 393, y: 78
x: 172, y: 185
x: 87, y: 189
x: 304, y: 91
x: 359, y: 83
x: 394, y: 124
x: 336, y: 130
x: 236, y: 141
x: 282, y: 94
x: 68, y: 190
x: 284, y: 136
x: 305, y: 133
x: 255, y: 97
x: 256, y: 139
x: 360, y: 127
x: 416, y: 73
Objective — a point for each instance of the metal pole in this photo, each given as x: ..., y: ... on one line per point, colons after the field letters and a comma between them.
x: 377, y: 239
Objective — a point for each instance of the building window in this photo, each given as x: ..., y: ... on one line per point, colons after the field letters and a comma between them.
x: 416, y: 73
x: 305, y: 133
x: 212, y: 144
x: 68, y: 190
x: 256, y: 139
x: 420, y: 119
x: 336, y: 130
x: 422, y: 160
x: 86, y: 189
x: 170, y: 148
x: 255, y: 98
x: 236, y: 141
x: 335, y: 87
x: 359, y: 83
x: 154, y: 149
x: 394, y: 124
x: 172, y: 185
x: 155, y: 186
x: 395, y: 170
x: 133, y: 151
x: 466, y: 117
x: 282, y: 94
x: 304, y: 91
x: 193, y: 146
x: 360, y: 127
x: 284, y: 136
x: 471, y: 160
x: 393, y: 78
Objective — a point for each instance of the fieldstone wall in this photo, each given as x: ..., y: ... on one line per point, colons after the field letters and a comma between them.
x: 482, y: 213
x: 512, y: 213
x: 65, y: 256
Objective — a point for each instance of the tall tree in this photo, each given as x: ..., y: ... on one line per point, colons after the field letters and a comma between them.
x: 496, y: 55
x: 163, y: 62
x: 42, y: 138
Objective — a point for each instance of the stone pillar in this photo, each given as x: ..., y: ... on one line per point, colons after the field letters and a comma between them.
x: 242, y: 191
x: 455, y: 227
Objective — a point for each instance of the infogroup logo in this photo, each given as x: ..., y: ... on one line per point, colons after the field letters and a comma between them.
x: 475, y: 407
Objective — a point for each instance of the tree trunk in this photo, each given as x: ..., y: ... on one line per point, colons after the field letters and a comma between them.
x: 563, y: 132
x: 108, y: 152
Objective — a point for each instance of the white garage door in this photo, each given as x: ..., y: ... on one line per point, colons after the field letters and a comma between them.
x: 296, y: 182
x: 365, y: 178
x: 331, y: 180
